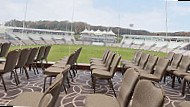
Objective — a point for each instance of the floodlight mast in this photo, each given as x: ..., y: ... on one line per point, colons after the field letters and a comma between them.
x: 24, y: 21
x: 166, y: 10
x: 72, y: 21
x: 166, y: 18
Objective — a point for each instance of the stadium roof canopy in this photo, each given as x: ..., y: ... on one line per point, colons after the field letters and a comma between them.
x: 98, y: 32
x: 39, y: 30
x: 163, y: 37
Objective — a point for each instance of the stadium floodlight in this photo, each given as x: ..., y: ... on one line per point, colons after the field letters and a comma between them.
x: 131, y: 25
x: 24, y: 21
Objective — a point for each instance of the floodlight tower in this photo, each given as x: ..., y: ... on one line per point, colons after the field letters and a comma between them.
x: 166, y: 10
x: 72, y: 21
x: 24, y: 21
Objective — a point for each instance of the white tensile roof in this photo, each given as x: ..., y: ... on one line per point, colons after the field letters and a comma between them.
x: 98, y: 32
x: 92, y: 31
x: 104, y: 32
x: 85, y: 31
x: 111, y: 33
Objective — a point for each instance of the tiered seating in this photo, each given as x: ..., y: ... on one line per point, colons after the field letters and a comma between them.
x: 116, y: 45
x: 127, y: 41
x: 108, y: 44
x: 78, y: 43
x: 87, y: 43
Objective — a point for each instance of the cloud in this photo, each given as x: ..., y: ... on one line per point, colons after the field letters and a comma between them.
x: 180, y: 9
x: 152, y: 20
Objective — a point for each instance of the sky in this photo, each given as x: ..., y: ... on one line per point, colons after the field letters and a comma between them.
x: 144, y: 14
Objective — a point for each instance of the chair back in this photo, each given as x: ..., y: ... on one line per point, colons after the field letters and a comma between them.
x: 184, y: 65
x: 144, y: 58
x: 170, y: 56
x: 79, y: 51
x: 40, y: 53
x: 24, y: 54
x: 55, y: 88
x: 114, y: 64
x: 134, y: 55
x: 176, y: 60
x: 152, y: 60
x: 11, y: 60
x: 127, y: 87
x: 105, y: 55
x: 70, y: 59
x: 148, y: 94
x: 138, y: 58
x: 32, y: 56
x: 45, y: 101
x: 4, y: 49
x: 161, y: 68
x: 110, y: 60
x: 108, y: 56
x: 46, y: 53
x: 76, y: 56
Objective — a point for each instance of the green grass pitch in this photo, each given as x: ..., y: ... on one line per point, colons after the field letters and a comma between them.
x: 59, y: 51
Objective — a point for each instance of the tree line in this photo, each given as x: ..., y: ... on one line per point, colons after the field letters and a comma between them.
x: 77, y: 27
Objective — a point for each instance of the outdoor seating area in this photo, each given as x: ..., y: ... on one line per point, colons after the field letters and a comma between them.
x: 106, y: 83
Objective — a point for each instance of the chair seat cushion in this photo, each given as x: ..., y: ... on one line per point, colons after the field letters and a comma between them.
x: 187, y: 78
x: 130, y: 65
x: 143, y: 72
x: 101, y: 73
x: 102, y: 68
x: 125, y: 62
x: 53, y: 70
x: 99, y: 63
x: 95, y: 60
x: 30, y: 99
x: 99, y: 100
x: 97, y: 66
x: 184, y: 104
x: 171, y: 69
x: 148, y: 77
x: 179, y: 73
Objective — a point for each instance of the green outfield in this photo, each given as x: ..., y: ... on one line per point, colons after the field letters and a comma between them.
x: 59, y: 51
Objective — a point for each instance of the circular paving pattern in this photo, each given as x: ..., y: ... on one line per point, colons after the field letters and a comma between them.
x: 80, y: 87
